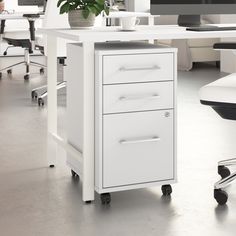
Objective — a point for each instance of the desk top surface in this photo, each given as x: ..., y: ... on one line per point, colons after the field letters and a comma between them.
x: 102, y: 34
x: 16, y: 15
x: 124, y: 14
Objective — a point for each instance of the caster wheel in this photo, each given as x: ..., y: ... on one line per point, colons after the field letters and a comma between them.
x: 218, y: 64
x: 5, y: 53
x: 74, y: 175
x: 41, y: 71
x: 105, y: 198
x: 40, y: 102
x: 166, y: 190
x: 9, y: 72
x: 51, y: 166
x: 0, y: 75
x: 34, y: 95
x: 220, y: 196
x: 223, y: 171
x: 88, y: 202
x: 26, y: 77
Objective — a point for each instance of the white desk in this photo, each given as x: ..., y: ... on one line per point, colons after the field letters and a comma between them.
x: 88, y: 38
x: 16, y: 16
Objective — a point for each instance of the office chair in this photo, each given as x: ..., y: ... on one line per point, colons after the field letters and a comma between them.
x: 35, y: 93
x: 53, y: 19
x: 28, y: 44
x: 221, y: 96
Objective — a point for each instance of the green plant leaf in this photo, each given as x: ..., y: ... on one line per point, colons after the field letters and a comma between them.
x: 101, y: 2
x: 85, y: 13
x: 65, y: 8
x: 60, y: 2
x: 107, y: 10
x: 93, y: 9
x: 88, y: 6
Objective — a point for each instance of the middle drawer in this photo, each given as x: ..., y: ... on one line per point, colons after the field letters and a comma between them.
x: 137, y: 97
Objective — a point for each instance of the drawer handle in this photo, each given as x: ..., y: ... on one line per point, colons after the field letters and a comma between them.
x: 146, y: 140
x: 139, y: 68
x: 128, y: 98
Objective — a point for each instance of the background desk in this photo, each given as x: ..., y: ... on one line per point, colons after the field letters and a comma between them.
x: 18, y: 32
x: 88, y: 38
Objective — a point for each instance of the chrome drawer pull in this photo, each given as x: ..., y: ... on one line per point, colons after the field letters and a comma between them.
x: 133, y: 141
x: 139, y: 68
x: 128, y: 98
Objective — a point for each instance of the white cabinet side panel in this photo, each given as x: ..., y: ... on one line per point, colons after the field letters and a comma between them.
x: 74, y: 77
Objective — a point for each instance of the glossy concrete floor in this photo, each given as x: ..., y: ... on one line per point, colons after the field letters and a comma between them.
x: 38, y: 201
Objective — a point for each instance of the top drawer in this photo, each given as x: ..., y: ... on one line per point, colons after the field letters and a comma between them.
x: 137, y: 68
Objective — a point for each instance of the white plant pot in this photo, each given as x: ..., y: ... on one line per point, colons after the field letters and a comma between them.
x: 77, y: 20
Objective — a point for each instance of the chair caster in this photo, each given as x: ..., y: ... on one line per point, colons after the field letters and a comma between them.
x: 88, y: 202
x: 26, y: 77
x: 166, y: 190
x: 41, y: 71
x: 105, y: 198
x: 223, y: 171
x: 5, y: 53
x: 9, y: 72
x: 52, y: 166
x: 74, y: 175
x: 34, y: 95
x: 220, y: 196
x: 0, y: 75
x: 40, y: 102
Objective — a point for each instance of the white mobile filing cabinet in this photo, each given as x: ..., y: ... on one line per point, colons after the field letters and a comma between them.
x: 135, y: 115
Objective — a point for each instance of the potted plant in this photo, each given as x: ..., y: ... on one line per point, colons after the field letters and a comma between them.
x: 82, y: 13
x: 2, y: 5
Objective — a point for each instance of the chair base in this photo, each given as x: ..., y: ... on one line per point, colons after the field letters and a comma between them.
x: 28, y: 65
x: 34, y: 92
x: 60, y: 85
x: 227, y: 178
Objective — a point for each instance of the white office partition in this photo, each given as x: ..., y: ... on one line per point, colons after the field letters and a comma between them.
x: 53, y: 19
x: 12, y: 5
x: 228, y: 58
x: 138, y: 5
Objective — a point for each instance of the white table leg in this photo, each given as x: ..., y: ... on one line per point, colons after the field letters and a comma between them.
x: 88, y: 132
x: 151, y: 23
x: 52, y: 98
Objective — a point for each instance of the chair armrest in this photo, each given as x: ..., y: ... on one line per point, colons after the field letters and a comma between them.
x: 2, y: 27
x: 225, y: 45
x: 32, y: 16
x: 31, y: 19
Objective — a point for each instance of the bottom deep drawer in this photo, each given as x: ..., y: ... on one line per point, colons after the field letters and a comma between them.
x: 138, y: 148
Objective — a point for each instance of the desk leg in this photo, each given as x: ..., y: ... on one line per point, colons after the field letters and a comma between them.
x: 88, y: 119
x: 151, y: 22
x: 2, y: 28
x: 52, y: 98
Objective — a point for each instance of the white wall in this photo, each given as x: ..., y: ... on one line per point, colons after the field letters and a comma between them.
x: 138, y: 5
x: 228, y: 59
x: 20, y: 24
x: 13, y: 4
x: 52, y: 19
